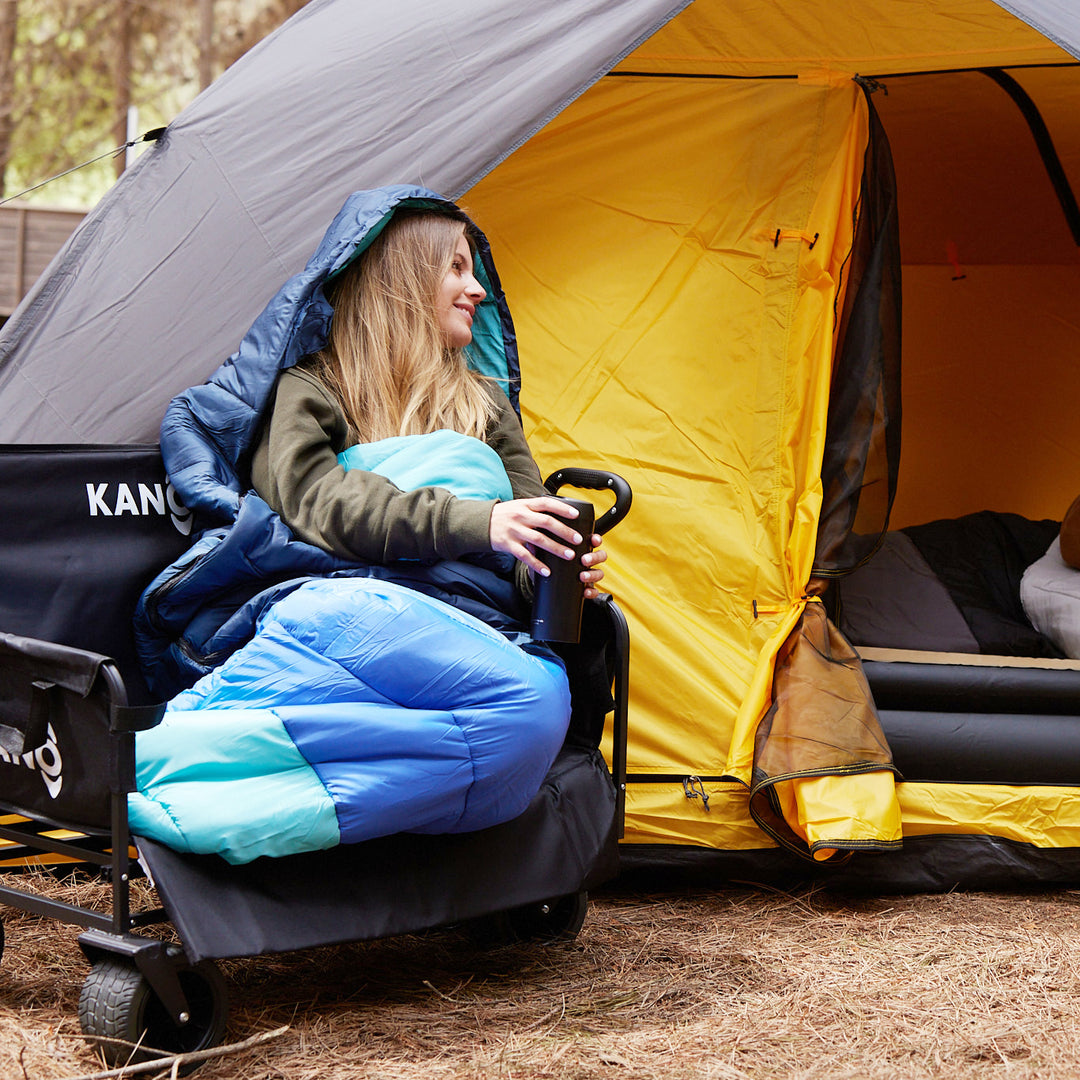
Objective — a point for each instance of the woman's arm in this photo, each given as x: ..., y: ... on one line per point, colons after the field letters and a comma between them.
x: 354, y: 514
x: 514, y: 524
x: 506, y: 437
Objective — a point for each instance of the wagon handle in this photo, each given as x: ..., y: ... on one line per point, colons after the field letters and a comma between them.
x: 596, y: 480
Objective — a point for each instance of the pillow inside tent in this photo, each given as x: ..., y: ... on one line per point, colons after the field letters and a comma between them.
x: 1050, y: 593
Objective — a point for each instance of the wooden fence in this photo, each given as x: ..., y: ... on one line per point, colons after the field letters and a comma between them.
x: 29, y: 237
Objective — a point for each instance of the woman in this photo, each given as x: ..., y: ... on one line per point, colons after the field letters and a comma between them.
x: 395, y: 365
x: 364, y: 668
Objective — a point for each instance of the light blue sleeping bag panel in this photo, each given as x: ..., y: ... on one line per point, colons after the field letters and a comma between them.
x: 463, y: 465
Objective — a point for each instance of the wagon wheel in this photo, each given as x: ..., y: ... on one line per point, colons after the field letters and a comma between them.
x: 558, y: 919
x: 116, y: 1002
x: 545, y: 921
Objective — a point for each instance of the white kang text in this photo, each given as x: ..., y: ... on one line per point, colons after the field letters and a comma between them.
x: 109, y: 500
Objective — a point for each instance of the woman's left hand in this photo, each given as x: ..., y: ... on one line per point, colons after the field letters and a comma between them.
x: 595, y: 572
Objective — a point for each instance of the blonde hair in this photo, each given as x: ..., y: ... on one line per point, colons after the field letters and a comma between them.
x: 386, y: 359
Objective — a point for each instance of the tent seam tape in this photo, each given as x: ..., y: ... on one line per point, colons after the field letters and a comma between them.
x: 1041, y: 27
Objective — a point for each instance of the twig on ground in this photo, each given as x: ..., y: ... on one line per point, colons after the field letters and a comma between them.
x: 175, y: 1061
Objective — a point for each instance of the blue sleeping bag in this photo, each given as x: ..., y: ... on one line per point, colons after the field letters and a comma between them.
x: 359, y: 709
x: 317, y: 701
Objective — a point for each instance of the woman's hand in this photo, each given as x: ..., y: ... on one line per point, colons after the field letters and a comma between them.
x: 516, y: 529
x: 595, y: 573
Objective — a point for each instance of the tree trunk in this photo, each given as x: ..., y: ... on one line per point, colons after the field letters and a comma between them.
x: 123, y: 77
x: 268, y: 18
x: 206, y: 43
x: 8, y: 19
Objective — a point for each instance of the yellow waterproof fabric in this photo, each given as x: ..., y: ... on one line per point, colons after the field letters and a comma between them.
x: 991, y: 385
x: 991, y: 281
x: 973, y: 185
x: 748, y: 38
x: 672, y: 253
x: 1048, y: 817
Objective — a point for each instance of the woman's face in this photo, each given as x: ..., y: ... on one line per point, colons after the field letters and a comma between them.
x: 459, y: 294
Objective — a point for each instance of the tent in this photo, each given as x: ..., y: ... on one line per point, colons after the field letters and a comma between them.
x: 675, y: 193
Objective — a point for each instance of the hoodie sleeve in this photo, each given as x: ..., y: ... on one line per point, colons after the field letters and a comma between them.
x: 507, y: 439
x: 354, y: 514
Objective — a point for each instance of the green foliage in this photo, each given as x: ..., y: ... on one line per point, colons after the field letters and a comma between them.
x: 70, y: 93
x: 67, y: 66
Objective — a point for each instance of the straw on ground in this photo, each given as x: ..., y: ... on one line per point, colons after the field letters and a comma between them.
x: 715, y: 985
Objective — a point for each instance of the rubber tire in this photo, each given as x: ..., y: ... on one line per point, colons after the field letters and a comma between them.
x: 558, y: 919
x: 1, y: 939
x: 545, y: 922
x: 116, y: 1002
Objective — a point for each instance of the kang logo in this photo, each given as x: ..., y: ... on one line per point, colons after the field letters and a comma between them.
x: 45, y: 760
x: 115, y: 500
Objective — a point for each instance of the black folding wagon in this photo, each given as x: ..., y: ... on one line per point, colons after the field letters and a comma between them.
x: 82, y: 530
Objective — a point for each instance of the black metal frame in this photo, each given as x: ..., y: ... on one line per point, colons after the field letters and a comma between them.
x: 99, y: 685
x: 98, y: 691
x: 621, y: 693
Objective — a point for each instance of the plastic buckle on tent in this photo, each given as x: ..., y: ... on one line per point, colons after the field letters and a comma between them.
x: 693, y: 788
x: 871, y: 86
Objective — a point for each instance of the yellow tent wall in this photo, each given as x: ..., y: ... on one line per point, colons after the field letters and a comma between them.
x: 670, y: 335
x: 672, y: 248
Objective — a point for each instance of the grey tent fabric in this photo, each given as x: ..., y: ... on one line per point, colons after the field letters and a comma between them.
x: 161, y: 280
x: 1059, y: 20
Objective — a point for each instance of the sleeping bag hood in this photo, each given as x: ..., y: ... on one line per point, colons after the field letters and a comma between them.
x: 209, y: 430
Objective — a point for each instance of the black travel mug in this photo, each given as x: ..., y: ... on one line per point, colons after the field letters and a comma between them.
x: 559, y: 598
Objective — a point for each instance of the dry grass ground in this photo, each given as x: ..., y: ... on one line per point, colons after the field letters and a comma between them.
x: 721, y: 985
